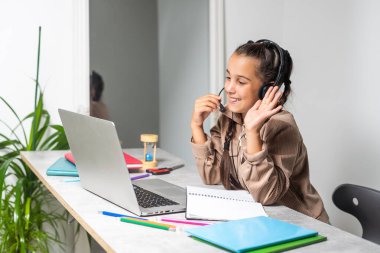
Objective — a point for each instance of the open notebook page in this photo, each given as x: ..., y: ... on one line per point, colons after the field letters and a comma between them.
x: 215, y: 204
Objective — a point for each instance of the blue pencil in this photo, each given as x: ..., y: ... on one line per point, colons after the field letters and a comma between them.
x: 119, y: 215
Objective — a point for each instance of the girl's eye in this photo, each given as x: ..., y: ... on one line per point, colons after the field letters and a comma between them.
x: 228, y: 78
x: 241, y: 82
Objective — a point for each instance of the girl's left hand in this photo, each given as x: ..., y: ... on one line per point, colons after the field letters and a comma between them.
x: 262, y: 110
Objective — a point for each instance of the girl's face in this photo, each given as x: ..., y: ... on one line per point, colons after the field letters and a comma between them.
x: 242, y: 83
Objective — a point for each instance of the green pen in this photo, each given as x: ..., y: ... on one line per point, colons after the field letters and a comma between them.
x: 148, y: 224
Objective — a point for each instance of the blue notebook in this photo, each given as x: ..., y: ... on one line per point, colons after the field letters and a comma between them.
x: 62, y: 167
x: 251, y: 233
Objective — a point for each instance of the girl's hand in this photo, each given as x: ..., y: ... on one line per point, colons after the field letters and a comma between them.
x: 203, y: 107
x: 262, y: 110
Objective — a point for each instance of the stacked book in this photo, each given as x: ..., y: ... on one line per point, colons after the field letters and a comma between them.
x: 257, y: 234
x: 65, y: 166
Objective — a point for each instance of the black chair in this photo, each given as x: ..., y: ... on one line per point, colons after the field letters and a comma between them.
x: 364, y: 204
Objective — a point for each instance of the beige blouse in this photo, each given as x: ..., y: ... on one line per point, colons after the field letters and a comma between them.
x: 279, y: 174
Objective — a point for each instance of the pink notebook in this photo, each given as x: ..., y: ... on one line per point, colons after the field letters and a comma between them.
x: 132, y: 162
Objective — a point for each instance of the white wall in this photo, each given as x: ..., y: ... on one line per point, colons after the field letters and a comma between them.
x: 251, y: 20
x: 19, y: 22
x: 183, y: 70
x: 335, y: 46
x: 63, y: 64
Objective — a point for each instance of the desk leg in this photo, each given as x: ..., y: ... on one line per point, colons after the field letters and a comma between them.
x: 96, y: 248
x: 70, y: 234
x: 80, y: 242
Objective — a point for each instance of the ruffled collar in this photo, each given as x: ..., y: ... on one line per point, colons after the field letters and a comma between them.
x: 236, y: 117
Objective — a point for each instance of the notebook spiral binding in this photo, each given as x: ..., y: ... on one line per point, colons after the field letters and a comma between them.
x: 218, y: 197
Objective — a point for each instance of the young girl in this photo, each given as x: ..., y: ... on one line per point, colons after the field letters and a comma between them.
x: 256, y: 145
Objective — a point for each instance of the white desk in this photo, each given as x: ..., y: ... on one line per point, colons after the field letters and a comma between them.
x: 116, y: 236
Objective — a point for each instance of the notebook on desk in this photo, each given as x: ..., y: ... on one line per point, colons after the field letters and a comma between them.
x: 102, y: 169
x: 276, y: 248
x: 133, y: 164
x: 62, y: 167
x: 66, y: 166
x: 249, y: 234
x: 217, y: 204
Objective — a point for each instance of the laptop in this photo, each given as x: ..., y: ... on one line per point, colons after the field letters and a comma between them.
x: 102, y: 169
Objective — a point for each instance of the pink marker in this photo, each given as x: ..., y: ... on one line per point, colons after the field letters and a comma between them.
x: 185, y: 222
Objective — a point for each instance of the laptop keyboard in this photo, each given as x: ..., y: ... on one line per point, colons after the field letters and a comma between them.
x: 148, y: 199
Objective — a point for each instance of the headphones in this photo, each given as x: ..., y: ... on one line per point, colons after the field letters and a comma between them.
x: 281, y: 53
x: 265, y: 86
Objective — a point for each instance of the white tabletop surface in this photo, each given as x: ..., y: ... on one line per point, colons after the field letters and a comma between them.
x: 116, y: 236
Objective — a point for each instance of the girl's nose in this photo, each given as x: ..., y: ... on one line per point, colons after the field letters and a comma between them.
x: 230, y: 86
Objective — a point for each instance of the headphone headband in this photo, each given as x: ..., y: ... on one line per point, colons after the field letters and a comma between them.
x: 281, y: 53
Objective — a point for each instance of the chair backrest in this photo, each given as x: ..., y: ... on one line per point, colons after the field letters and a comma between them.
x: 364, y: 204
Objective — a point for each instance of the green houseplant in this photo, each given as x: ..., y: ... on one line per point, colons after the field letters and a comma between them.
x: 23, y: 217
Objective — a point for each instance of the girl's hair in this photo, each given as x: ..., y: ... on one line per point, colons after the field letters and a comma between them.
x: 228, y: 172
x: 269, y: 58
x: 96, y: 83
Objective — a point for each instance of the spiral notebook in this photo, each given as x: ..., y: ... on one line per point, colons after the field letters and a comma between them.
x: 215, y: 204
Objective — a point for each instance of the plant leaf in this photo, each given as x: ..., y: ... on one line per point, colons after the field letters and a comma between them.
x: 22, y: 195
x: 14, y: 113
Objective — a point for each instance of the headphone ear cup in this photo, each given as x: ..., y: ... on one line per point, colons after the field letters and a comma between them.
x: 263, y: 89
